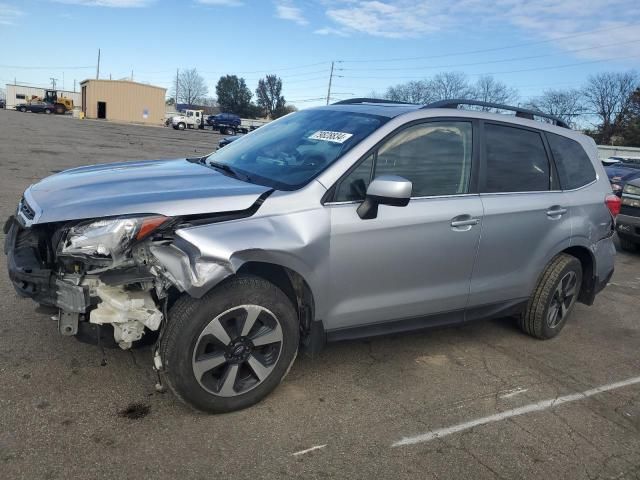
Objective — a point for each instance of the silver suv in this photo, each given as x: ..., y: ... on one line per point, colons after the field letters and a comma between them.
x: 356, y: 219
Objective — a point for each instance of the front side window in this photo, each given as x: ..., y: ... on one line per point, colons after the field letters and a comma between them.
x: 434, y: 156
x: 574, y: 166
x: 516, y: 160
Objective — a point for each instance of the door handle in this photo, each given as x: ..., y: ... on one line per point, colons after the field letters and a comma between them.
x: 556, y: 211
x: 464, y: 221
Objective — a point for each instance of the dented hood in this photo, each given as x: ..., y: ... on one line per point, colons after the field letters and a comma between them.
x: 166, y: 187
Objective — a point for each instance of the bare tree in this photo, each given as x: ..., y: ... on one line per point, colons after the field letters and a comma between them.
x: 412, y: 92
x: 448, y: 85
x: 488, y: 89
x: 191, y: 87
x: 566, y: 104
x: 609, y: 95
x: 269, y: 96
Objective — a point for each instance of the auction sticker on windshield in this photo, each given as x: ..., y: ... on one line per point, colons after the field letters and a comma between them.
x: 335, y: 137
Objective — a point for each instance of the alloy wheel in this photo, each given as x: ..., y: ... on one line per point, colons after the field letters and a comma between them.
x: 562, y: 300
x: 237, y: 350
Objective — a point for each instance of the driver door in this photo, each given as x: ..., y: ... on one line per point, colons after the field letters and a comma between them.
x: 410, y: 264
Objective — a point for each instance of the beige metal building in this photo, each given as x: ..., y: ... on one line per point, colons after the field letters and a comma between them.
x: 123, y: 101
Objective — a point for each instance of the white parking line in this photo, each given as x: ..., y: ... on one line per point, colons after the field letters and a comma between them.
x: 532, y: 407
x: 302, y: 452
x: 513, y: 393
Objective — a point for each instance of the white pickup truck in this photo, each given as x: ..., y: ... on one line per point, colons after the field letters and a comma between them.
x: 187, y: 119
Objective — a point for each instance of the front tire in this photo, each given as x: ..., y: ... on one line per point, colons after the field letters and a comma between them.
x: 231, y: 348
x: 553, y: 298
x: 23, y: 109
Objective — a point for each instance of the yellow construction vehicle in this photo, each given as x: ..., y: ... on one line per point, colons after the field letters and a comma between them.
x: 61, y: 103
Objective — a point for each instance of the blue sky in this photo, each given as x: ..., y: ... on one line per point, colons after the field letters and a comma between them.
x: 531, y: 45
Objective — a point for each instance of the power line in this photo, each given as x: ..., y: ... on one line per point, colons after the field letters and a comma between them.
x: 534, y: 69
x: 495, y: 49
x: 512, y: 59
x: 57, y: 67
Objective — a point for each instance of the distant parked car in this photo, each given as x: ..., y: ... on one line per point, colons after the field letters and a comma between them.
x: 36, y: 107
x: 3, y: 104
x: 611, y: 161
x: 628, y: 222
x: 227, y: 140
x: 621, y: 172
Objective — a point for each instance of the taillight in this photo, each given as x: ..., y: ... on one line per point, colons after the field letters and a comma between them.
x: 613, y: 204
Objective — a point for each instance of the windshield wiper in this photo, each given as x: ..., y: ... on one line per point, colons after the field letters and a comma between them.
x: 228, y: 169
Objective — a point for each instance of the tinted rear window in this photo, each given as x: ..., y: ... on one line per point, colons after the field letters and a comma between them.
x: 574, y: 166
x: 516, y: 160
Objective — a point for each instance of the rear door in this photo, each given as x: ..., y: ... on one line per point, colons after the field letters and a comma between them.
x: 526, y: 216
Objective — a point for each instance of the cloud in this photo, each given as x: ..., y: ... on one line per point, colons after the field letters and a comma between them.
x: 286, y: 10
x: 9, y: 13
x: 541, y: 19
x: 331, y: 31
x: 222, y: 3
x: 108, y: 3
x: 399, y: 19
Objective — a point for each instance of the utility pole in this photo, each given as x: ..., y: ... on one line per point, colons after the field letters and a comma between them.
x: 98, y: 67
x: 53, y: 83
x: 330, y: 80
x: 132, y: 75
x: 177, y: 83
x: 74, y: 85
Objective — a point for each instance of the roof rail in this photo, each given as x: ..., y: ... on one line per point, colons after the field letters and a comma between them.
x: 350, y: 101
x: 520, y: 112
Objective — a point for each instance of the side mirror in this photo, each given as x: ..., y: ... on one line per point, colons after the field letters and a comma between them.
x: 385, y: 190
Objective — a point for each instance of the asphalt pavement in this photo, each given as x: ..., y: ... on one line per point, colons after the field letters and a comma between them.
x: 472, y: 402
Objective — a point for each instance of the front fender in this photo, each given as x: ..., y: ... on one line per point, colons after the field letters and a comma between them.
x: 203, y: 256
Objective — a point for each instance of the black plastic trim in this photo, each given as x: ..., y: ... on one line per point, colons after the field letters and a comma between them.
x: 455, y: 317
x: 351, y: 101
x: 397, y: 326
x: 520, y: 112
x: 186, y: 221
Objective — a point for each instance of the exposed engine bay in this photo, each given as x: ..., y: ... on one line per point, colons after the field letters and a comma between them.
x: 103, y: 272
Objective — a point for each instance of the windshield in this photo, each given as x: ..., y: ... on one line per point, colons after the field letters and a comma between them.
x: 288, y: 153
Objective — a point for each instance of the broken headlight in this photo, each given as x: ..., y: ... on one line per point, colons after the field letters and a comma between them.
x: 109, y: 237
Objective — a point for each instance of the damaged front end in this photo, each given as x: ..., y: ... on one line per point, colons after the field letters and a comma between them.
x: 100, y: 271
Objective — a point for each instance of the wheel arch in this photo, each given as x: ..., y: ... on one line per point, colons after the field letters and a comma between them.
x: 587, y: 260
x: 297, y: 289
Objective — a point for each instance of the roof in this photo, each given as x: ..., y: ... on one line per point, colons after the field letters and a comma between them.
x: 91, y: 80
x: 403, y: 107
x: 389, y: 110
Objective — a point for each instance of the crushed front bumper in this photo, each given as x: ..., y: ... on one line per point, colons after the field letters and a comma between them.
x: 31, y: 279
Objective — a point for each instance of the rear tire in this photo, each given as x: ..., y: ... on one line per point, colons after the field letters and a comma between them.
x: 627, y: 245
x: 553, y: 299
x: 231, y: 348
x: 47, y: 111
